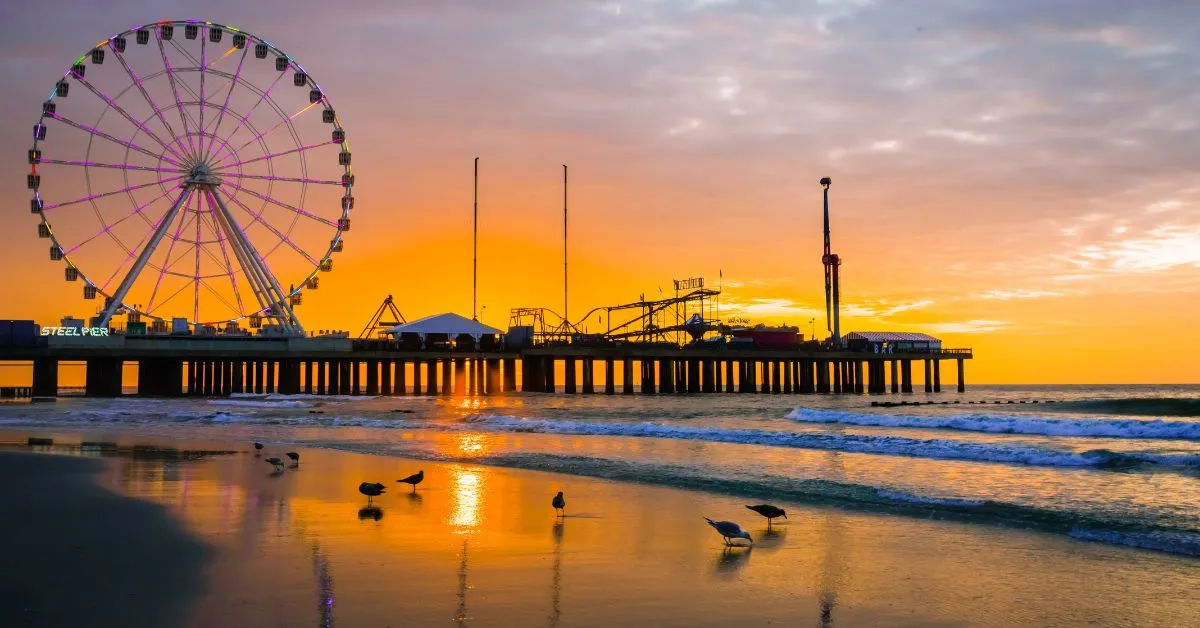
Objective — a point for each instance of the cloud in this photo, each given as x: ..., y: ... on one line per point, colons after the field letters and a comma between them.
x: 769, y: 308
x: 1009, y: 295
x: 975, y: 326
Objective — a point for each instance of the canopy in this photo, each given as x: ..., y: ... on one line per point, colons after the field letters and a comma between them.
x: 890, y: 336
x: 449, y: 323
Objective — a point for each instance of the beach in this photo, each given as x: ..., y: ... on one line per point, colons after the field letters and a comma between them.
x: 196, y: 539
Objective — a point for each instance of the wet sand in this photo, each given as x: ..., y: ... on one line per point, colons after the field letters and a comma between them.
x: 481, y: 546
x: 77, y: 554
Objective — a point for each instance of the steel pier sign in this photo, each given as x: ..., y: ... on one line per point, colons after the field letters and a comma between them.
x: 74, y: 331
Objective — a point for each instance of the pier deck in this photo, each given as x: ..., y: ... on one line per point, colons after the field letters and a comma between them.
x: 186, y: 365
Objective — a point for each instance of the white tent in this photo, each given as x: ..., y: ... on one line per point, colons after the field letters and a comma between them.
x: 449, y: 323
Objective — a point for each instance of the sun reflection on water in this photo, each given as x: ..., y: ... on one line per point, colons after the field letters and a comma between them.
x: 468, y: 499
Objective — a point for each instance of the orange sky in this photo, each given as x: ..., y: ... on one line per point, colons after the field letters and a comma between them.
x: 1014, y: 179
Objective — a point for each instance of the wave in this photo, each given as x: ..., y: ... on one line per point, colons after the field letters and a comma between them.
x: 260, y: 403
x: 1141, y: 406
x: 888, y: 445
x: 1012, y: 424
x: 943, y: 449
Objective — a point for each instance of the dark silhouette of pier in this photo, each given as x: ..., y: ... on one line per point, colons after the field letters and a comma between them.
x: 216, y: 366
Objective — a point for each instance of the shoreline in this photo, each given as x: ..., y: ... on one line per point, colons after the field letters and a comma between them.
x: 812, y: 492
x: 481, y: 544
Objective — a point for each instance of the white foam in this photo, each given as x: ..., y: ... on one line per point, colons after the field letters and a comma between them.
x: 1162, y: 541
x: 919, y: 499
x: 254, y: 403
x: 1011, y: 424
x: 944, y: 449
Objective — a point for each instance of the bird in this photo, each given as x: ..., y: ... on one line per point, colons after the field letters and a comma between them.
x: 371, y: 489
x: 258, y: 447
x: 294, y: 456
x: 729, y: 530
x: 276, y: 462
x: 559, y: 503
x: 769, y: 511
x: 414, y: 479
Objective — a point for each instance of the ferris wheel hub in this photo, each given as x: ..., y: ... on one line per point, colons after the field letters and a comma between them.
x: 202, y: 174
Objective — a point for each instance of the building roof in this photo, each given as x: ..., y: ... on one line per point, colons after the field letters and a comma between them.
x: 890, y: 336
x: 449, y: 323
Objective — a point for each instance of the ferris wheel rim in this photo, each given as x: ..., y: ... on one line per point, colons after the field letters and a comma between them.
x: 173, y: 160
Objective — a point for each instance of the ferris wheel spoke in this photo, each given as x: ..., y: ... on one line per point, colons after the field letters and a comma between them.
x: 244, y: 119
x: 220, y: 297
x: 104, y: 194
x: 263, y: 177
x: 175, y: 91
x: 125, y: 114
x: 257, y: 269
x: 137, y: 81
x: 203, y: 60
x: 279, y: 234
x: 107, y: 228
x: 96, y: 164
x: 127, y: 144
x: 167, y: 260
x: 225, y: 107
x: 278, y: 203
x: 155, y: 237
x: 298, y: 149
x: 283, y: 122
x: 237, y: 293
x: 169, y: 298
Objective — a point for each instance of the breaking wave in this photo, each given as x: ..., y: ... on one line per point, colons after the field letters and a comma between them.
x: 944, y: 449
x: 1012, y: 424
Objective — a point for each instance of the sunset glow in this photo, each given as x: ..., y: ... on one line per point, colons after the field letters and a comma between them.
x: 1011, y: 178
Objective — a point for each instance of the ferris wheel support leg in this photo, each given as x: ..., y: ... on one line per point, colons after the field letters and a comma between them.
x: 119, y: 296
x: 275, y: 294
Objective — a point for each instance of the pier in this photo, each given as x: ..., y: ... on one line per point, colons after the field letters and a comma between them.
x: 216, y: 366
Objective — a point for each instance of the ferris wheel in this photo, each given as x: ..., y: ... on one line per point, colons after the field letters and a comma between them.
x: 183, y: 169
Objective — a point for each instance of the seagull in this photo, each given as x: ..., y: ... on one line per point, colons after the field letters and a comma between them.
x: 729, y: 530
x: 769, y: 511
x: 294, y: 456
x: 414, y: 479
x: 559, y: 503
x: 371, y: 489
x: 277, y: 462
x: 257, y: 448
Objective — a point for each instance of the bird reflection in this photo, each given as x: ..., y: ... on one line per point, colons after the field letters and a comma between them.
x: 370, y: 512
x: 415, y: 499
x: 556, y: 577
x: 732, y: 559
x: 460, y: 614
x: 831, y: 575
x: 771, y: 538
x: 324, y: 579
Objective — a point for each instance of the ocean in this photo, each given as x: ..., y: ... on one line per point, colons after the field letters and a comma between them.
x: 1110, y: 464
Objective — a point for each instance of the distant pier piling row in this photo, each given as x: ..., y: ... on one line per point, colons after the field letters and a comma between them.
x: 218, y: 368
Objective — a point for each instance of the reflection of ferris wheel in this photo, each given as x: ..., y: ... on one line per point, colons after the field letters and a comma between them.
x: 187, y: 173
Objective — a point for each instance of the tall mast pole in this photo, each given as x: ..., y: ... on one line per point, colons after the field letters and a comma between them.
x: 475, y: 249
x: 566, y: 319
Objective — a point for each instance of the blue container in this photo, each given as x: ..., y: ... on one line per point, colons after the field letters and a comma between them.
x: 23, y: 333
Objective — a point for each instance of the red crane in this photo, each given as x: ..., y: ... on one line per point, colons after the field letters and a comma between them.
x: 832, y: 291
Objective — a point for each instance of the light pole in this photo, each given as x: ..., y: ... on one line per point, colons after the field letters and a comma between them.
x: 813, y: 325
x: 481, y: 309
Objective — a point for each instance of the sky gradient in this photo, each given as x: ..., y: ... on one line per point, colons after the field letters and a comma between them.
x: 1013, y: 176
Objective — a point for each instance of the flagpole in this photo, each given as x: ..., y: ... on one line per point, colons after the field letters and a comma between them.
x: 475, y: 249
